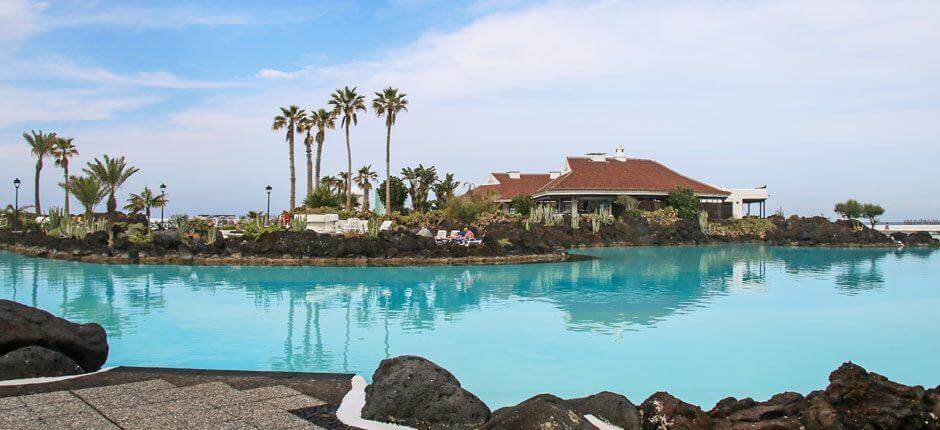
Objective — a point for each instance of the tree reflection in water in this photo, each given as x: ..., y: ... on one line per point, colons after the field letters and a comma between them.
x: 624, y: 289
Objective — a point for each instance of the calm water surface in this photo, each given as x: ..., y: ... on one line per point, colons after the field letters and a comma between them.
x: 700, y: 322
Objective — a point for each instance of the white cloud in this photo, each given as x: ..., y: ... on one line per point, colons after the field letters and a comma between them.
x: 803, y: 95
x: 19, y: 19
x: 18, y: 105
x: 60, y: 68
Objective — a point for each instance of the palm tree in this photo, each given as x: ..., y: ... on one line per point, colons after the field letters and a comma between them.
x: 322, y: 120
x: 389, y: 102
x: 290, y: 119
x: 112, y: 173
x: 88, y: 190
x: 364, y: 179
x: 420, y: 180
x: 347, y: 101
x: 40, y: 145
x: 444, y: 189
x: 144, y: 201
x: 332, y: 183
x: 63, y: 150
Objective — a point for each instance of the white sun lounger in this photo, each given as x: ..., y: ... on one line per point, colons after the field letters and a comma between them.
x: 386, y: 225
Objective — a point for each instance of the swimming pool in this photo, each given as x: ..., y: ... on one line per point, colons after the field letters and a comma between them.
x: 700, y: 322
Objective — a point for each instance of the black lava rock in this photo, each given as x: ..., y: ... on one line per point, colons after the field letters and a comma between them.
x: 22, y: 326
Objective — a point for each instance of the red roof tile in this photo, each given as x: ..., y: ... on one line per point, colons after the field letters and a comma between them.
x: 507, y: 188
x: 630, y: 174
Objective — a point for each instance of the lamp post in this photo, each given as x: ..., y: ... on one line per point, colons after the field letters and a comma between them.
x: 162, y: 194
x: 16, y: 200
x: 268, y: 189
x: 16, y: 203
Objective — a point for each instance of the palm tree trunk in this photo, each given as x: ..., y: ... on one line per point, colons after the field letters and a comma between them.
x: 348, y: 170
x: 36, y: 190
x: 65, y: 166
x: 147, y: 214
x: 365, y: 196
x: 309, y: 165
x: 319, y: 155
x: 388, y: 170
x: 112, y: 206
x: 293, y: 174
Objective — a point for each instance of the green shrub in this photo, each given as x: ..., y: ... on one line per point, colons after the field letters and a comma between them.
x: 627, y: 203
x: 751, y: 226
x: 685, y: 203
x: 663, y: 217
x: 522, y: 204
x: 462, y: 209
x: 323, y: 196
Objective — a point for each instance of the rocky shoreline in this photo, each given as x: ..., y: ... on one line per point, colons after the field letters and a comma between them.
x: 414, y: 392
x: 504, y: 242
x: 40, y: 252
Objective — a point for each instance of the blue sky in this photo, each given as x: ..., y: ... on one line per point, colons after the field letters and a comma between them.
x: 821, y: 101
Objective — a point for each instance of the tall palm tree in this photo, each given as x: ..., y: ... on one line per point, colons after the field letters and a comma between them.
x: 89, y: 191
x: 144, y: 201
x: 64, y: 150
x: 389, y: 102
x: 347, y: 102
x: 322, y: 120
x: 40, y: 145
x: 290, y: 119
x: 112, y: 173
x: 364, y: 179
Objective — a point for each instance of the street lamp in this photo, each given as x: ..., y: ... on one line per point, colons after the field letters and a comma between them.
x: 162, y: 194
x: 16, y: 201
x: 268, y: 189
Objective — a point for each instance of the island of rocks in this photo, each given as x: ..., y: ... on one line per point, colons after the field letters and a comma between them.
x: 504, y: 241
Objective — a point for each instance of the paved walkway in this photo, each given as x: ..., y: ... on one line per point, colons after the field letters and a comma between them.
x: 158, y: 404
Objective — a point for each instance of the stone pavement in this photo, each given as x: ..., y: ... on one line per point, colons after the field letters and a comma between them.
x: 158, y: 404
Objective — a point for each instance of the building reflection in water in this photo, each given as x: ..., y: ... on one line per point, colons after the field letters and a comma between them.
x: 623, y: 289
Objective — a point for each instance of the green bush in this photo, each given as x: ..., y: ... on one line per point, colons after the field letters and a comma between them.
x: 399, y: 194
x: 626, y: 203
x: 522, y: 204
x: 750, y: 226
x: 664, y: 217
x: 323, y: 196
x: 462, y: 209
x: 685, y: 203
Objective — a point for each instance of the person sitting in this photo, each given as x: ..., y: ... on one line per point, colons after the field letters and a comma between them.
x: 467, y: 234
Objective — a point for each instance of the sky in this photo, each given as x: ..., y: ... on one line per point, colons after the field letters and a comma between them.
x: 819, y: 100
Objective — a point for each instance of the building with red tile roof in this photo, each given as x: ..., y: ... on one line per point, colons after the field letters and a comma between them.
x: 595, y: 180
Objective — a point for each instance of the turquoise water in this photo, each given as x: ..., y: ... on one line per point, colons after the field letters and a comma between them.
x: 700, y: 322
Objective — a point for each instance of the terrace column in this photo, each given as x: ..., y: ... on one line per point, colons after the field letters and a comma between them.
x: 574, y: 207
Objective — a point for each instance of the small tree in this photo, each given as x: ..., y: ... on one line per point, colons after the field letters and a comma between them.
x: 872, y: 212
x: 684, y: 202
x: 398, y: 196
x: 522, y: 204
x: 850, y: 209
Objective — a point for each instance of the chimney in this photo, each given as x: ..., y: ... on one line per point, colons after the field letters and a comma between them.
x: 514, y: 174
x: 619, y: 155
x: 553, y: 174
